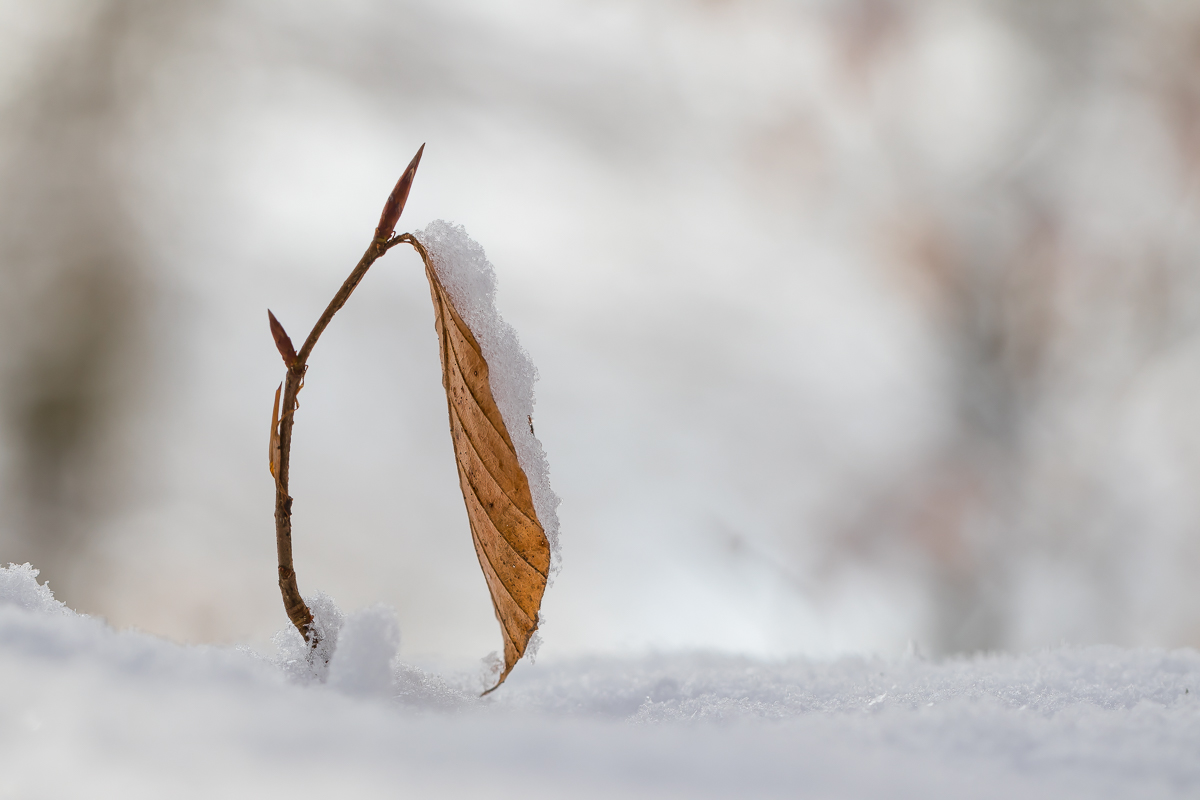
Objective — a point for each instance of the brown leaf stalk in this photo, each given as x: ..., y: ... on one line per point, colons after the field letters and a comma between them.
x: 297, y: 364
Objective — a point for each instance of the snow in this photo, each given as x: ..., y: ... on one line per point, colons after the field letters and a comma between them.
x: 366, y: 648
x: 19, y: 587
x: 470, y: 280
x: 292, y: 648
x: 88, y: 711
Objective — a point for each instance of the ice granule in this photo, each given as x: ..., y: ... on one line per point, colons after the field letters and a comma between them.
x: 470, y: 280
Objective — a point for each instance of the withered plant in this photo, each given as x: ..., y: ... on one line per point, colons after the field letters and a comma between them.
x: 510, y: 541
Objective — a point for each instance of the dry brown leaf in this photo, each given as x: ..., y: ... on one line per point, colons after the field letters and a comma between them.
x: 512, y: 547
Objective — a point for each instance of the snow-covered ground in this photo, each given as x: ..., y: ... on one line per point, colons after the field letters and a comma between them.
x: 88, y: 711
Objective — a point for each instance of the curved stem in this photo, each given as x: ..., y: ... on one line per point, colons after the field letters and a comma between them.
x: 297, y: 611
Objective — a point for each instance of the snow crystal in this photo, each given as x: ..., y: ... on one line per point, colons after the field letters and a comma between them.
x: 417, y: 689
x: 299, y: 661
x: 366, y: 647
x: 470, y: 280
x: 19, y: 587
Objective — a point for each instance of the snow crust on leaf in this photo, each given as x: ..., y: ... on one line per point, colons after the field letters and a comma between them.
x: 470, y: 280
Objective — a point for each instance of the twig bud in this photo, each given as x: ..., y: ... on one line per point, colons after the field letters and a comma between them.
x: 396, y: 200
x: 282, y: 342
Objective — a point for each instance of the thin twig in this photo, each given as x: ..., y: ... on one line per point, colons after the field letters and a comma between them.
x: 297, y: 611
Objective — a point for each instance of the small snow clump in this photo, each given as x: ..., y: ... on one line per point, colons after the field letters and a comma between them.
x: 366, y: 648
x: 294, y: 657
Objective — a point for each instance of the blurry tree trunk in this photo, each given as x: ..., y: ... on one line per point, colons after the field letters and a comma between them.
x: 74, y: 284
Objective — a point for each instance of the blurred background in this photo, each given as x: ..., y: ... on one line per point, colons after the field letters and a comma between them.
x: 858, y: 321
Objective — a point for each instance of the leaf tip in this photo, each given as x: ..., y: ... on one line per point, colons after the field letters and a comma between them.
x: 499, y: 681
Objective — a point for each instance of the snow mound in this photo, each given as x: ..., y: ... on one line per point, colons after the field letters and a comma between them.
x: 710, y: 688
x: 19, y: 587
x: 470, y: 280
x: 86, y: 711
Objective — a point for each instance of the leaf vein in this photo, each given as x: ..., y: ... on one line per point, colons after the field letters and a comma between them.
x: 491, y: 519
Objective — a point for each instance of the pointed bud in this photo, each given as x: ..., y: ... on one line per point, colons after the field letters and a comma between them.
x: 282, y: 342
x: 396, y: 200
